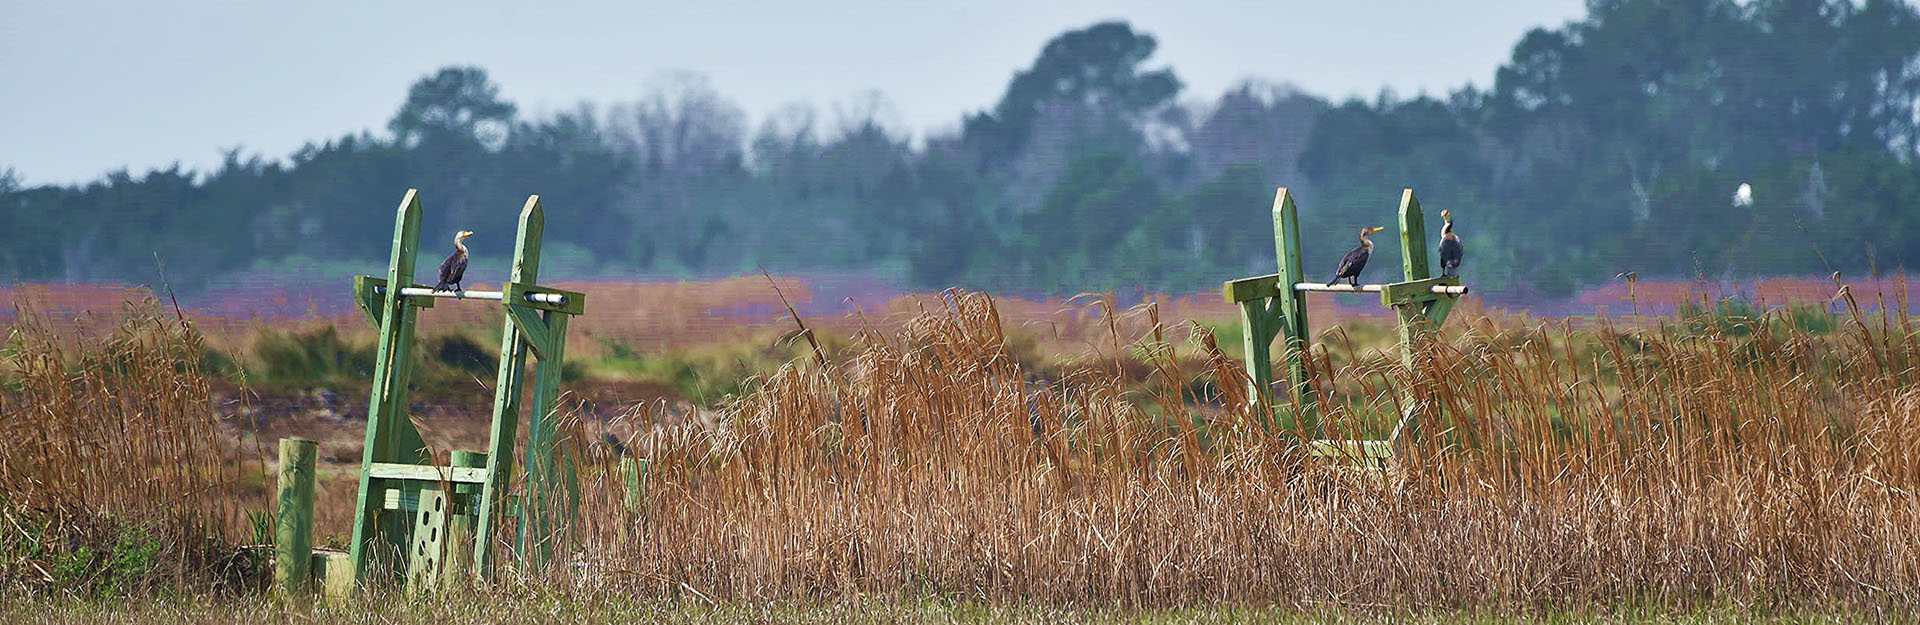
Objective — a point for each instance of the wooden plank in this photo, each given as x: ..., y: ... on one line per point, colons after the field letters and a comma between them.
x: 514, y: 293
x: 506, y: 392
x: 389, y: 388
x: 427, y: 554
x: 1414, y: 292
x: 429, y: 473
x: 1248, y: 289
x: 293, y: 525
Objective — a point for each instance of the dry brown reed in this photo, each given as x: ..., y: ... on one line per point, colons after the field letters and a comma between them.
x: 113, y: 463
x: 1665, y: 464
x: 1641, y: 466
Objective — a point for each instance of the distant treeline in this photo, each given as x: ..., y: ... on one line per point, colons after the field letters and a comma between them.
x: 1610, y: 144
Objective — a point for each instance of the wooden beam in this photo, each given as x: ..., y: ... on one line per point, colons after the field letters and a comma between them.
x: 391, y: 360
x: 574, y: 303
x: 428, y: 473
x: 1249, y: 289
x: 1291, y: 306
x: 547, y: 469
x: 1415, y: 291
x: 507, y: 392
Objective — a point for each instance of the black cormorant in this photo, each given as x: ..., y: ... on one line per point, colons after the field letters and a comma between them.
x: 1450, y: 250
x: 1356, y: 260
x: 455, y: 268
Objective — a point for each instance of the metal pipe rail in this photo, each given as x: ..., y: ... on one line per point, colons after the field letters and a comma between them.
x: 1372, y: 288
x: 414, y: 291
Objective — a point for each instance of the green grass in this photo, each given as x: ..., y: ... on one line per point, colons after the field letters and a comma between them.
x: 703, y: 374
x: 90, y: 561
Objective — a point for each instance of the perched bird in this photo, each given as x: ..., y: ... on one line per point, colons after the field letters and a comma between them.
x: 455, y: 268
x: 1356, y: 260
x: 1450, y: 250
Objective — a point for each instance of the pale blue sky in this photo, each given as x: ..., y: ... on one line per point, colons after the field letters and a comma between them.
x: 90, y: 86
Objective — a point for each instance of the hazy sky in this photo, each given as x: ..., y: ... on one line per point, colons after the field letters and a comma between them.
x: 87, y: 87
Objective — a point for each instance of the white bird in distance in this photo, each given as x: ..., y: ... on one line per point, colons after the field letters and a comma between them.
x: 1743, y: 196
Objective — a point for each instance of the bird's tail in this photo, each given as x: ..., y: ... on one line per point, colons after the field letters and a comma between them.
x: 442, y: 286
x: 1335, y: 279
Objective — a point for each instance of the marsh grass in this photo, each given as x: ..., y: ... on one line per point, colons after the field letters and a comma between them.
x: 1673, y: 465
x: 115, y: 475
x: 1685, y: 467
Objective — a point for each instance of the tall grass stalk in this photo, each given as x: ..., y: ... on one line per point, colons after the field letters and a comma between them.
x: 115, y: 473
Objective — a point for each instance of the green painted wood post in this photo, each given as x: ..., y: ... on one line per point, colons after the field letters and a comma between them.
x: 1292, y: 307
x: 387, y: 404
x: 293, y: 526
x: 460, y: 527
x: 1412, y: 316
x: 507, y: 392
x: 547, y: 470
x: 1257, y: 326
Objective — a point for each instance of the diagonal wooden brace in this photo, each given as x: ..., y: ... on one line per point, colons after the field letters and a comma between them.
x: 533, y: 327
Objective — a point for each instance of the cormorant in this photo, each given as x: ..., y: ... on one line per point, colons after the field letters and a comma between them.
x: 455, y: 268
x: 1356, y: 260
x: 1450, y: 250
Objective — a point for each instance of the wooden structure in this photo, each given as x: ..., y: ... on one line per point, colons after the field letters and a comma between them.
x: 1274, y: 306
x: 435, y: 522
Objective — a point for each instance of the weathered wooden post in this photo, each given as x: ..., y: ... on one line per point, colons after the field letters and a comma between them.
x: 293, y: 524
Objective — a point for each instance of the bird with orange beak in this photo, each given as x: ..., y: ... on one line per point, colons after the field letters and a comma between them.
x: 1356, y: 260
